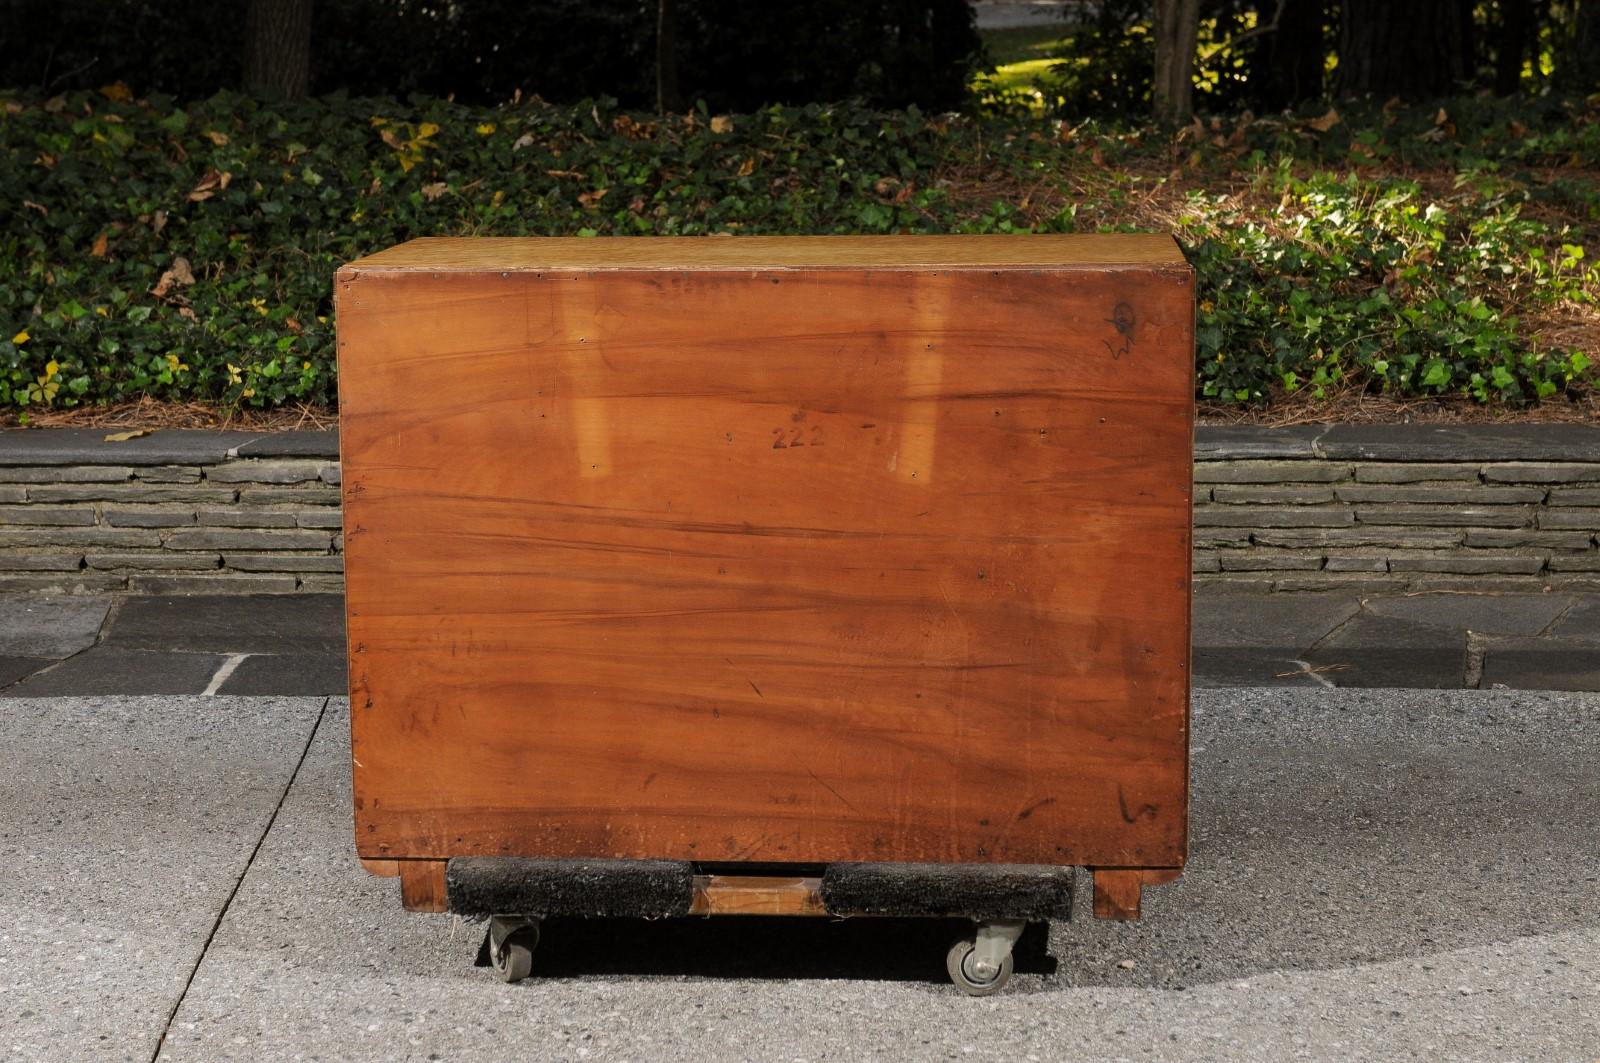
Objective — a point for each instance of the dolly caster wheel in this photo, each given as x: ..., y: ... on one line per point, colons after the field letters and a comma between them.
x: 981, y: 965
x: 512, y: 939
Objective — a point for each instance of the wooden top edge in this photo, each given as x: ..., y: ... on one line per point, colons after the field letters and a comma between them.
x: 493, y: 254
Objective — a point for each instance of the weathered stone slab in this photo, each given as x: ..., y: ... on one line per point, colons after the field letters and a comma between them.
x: 170, y: 474
x: 1575, y: 496
x: 1234, y: 442
x: 1280, y: 494
x: 331, y: 474
x: 134, y: 492
x: 311, y: 624
x: 246, y: 518
x: 266, y: 472
x: 1405, y: 473
x: 289, y: 496
x: 1425, y: 516
x: 64, y: 474
x: 1468, y: 563
x: 1507, y: 614
x: 284, y: 562
x: 80, y: 582
x: 88, y: 446
x: 1261, y: 517
x: 175, y: 517
x: 152, y: 561
x: 13, y: 493
x: 1570, y: 517
x: 1349, y: 583
x: 45, y: 515
x: 1540, y: 664
x: 1357, y: 563
x: 1377, y: 535
x: 1440, y: 494
x: 246, y: 539
x: 1231, y: 584
x: 32, y: 562
x: 1205, y: 563
x: 1268, y: 561
x: 221, y: 583
x: 1549, y: 540
x: 75, y: 536
x: 1286, y: 624
x: 1271, y: 472
x: 1460, y: 443
x: 314, y: 583
x: 1585, y: 562
x: 1542, y: 473
x: 1480, y: 583
x: 300, y: 444
x: 319, y: 518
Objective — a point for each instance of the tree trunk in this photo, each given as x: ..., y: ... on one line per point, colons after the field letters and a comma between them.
x: 1296, y: 53
x: 277, y: 50
x: 667, y: 98
x: 1578, y: 66
x: 1177, y: 28
x: 1511, y: 50
x: 1413, y: 50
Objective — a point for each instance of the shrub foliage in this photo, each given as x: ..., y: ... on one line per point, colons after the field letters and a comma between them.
x: 187, y: 252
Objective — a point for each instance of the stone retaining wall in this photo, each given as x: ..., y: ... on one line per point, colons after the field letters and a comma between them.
x: 170, y: 513
x: 1372, y: 508
x: 1363, y: 508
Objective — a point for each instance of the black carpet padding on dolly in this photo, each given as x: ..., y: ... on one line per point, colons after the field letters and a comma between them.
x: 976, y: 891
x: 500, y: 885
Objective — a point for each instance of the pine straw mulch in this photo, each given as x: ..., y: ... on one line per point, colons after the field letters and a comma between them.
x: 1350, y: 407
x: 148, y: 414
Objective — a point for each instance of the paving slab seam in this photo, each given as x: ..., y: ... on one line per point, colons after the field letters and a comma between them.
x: 224, y: 670
x: 1572, y: 603
x: 53, y: 665
x: 1361, y: 608
x: 255, y: 850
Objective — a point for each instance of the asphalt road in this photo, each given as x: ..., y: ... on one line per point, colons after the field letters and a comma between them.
x: 1375, y: 875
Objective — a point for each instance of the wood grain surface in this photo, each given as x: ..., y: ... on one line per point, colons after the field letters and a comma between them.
x: 769, y: 564
x: 497, y: 254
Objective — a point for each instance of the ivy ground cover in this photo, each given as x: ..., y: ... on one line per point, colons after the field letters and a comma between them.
x: 187, y: 252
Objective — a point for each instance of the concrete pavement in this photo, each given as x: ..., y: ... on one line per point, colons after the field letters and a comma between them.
x: 1375, y: 874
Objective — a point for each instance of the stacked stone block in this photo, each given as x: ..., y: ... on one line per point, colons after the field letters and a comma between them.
x: 1367, y: 508
x: 1394, y: 509
x: 190, y: 513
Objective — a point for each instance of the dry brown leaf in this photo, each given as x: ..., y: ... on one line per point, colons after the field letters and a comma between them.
x: 747, y: 167
x: 523, y: 141
x: 433, y: 191
x: 212, y: 183
x: 101, y: 244
x: 1517, y: 129
x: 722, y: 124
x: 55, y: 104
x: 1326, y: 122
x: 123, y: 437
x: 31, y: 205
x: 591, y: 200
x: 158, y: 221
x: 177, y: 275
x: 219, y: 139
